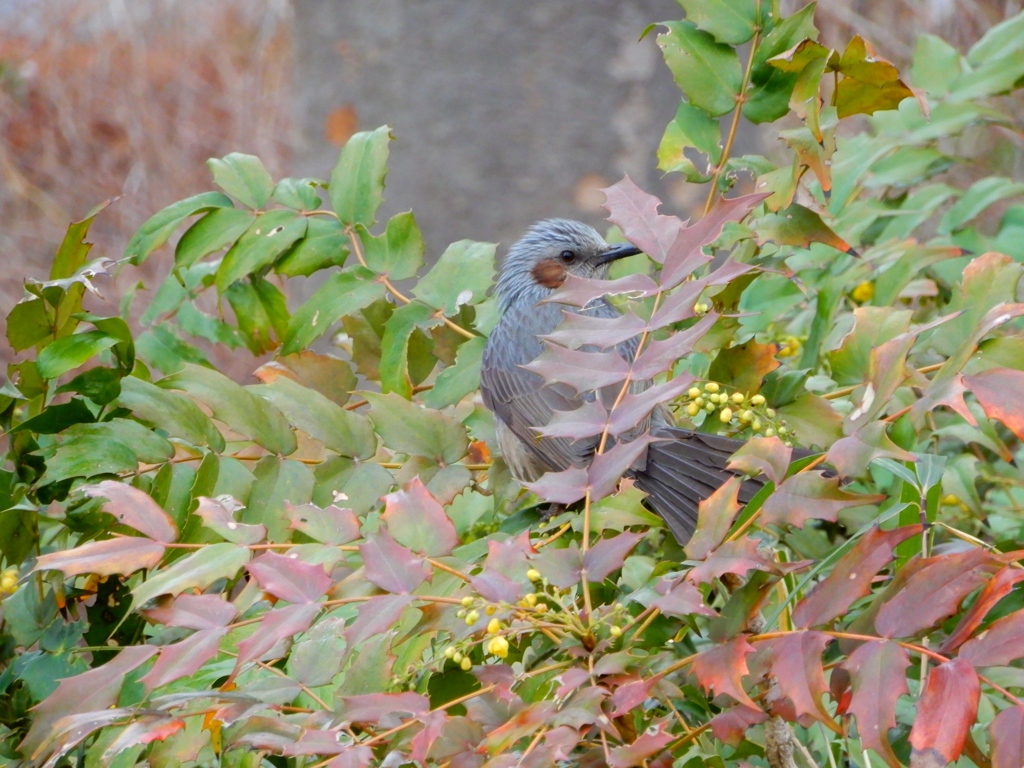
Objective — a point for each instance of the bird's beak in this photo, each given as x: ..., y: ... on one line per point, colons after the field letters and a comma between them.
x: 618, y: 251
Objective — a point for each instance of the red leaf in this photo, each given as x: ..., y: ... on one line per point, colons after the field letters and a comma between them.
x: 650, y: 742
x: 122, y: 554
x: 635, y: 212
x: 586, y: 421
x: 330, y: 525
x: 730, y: 725
x: 371, y: 707
x: 796, y: 668
x: 678, y: 305
x: 288, y: 578
x: 811, y: 496
x: 631, y: 695
x: 683, y: 599
x: 353, y: 757
x: 878, y: 673
x: 417, y: 520
x: 522, y: 723
x: 278, y: 624
x: 1001, y: 393
x: 496, y: 587
x: 563, y: 487
x: 433, y: 726
x: 391, y: 566
x: 763, y: 454
x: 561, y: 567
x: 739, y: 557
x: 184, y: 658
x: 143, y: 731
x: 722, y: 669
x: 1008, y: 738
x: 583, y: 371
x: 998, y: 645
x: 945, y: 714
x: 607, y: 468
x: 851, y: 577
x: 660, y: 356
x: 607, y: 555
x: 570, y: 680
x: 994, y: 591
x: 192, y: 611
x: 851, y: 455
x: 510, y: 556
x: 635, y: 408
x: 134, y: 508
x: 714, y: 519
x: 578, y: 329
x: 316, y: 742
x: 934, y: 592
x: 218, y: 515
x: 375, y: 616
x: 580, y: 291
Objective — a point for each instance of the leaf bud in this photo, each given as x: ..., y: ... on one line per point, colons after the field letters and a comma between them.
x: 490, y: 610
x: 533, y: 575
x: 467, y: 601
x: 542, y: 607
x: 493, y: 627
x: 450, y: 652
x: 615, y: 630
x: 737, y: 397
x: 700, y: 402
x: 747, y: 415
x: 783, y: 430
x: 769, y: 413
x: 531, y: 599
x: 711, y: 386
x: 461, y: 613
x: 472, y: 617
x: 769, y: 432
x: 466, y: 664
x: 498, y: 647
x: 457, y: 657
x: 693, y: 392
x: 726, y: 415
x: 757, y: 400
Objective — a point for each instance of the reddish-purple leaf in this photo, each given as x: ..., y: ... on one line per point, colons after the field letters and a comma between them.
x: 998, y: 645
x: 316, y: 742
x: 570, y: 680
x: 502, y: 678
x: 729, y: 271
x: 561, y: 567
x: 288, y: 578
x: 417, y: 520
x: 521, y: 724
x: 277, y: 625
x: 583, y: 371
x: 730, y: 725
x: 184, y: 657
x: 433, y: 727
x: 683, y: 599
x: 851, y: 577
x: 723, y: 668
x: 607, y: 468
x: 496, y: 587
x: 635, y: 408
x: 122, y: 554
x: 563, y: 487
x: 763, y: 454
x: 945, y: 714
x: 330, y: 525
x: 578, y: 329
x: 799, y: 676
x: 631, y: 695
x: 739, y: 557
x: 218, y: 515
x: 851, y: 455
x: 1001, y: 393
x: 375, y: 616
x: 353, y: 757
x: 510, y: 556
x: 607, y: 555
x: 811, y: 496
x: 678, y: 305
x: 660, y: 356
x: 586, y: 421
x: 654, y: 739
x: 145, y: 730
x: 192, y: 611
x: 580, y: 291
x: 994, y: 591
x: 714, y: 519
x: 391, y: 566
x: 371, y: 707
x: 878, y: 673
x: 134, y: 508
x: 635, y: 212
x: 934, y: 592
x: 1007, y: 732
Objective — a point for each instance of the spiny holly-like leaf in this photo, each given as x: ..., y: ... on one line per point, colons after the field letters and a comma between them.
x: 371, y: 707
x: 288, y: 578
x: 870, y: 83
x: 994, y: 590
x: 417, y: 520
x: 331, y: 377
x: 342, y: 293
x: 1001, y: 393
x: 878, y: 673
x: 122, y: 554
x: 184, y: 658
x: 679, y: 305
x: 799, y: 677
x: 694, y: 128
x: 660, y: 356
x: 583, y: 371
x: 1007, y: 732
x: 607, y: 555
x: 635, y: 212
x: 580, y: 291
x: 744, y: 366
x: 276, y: 625
x: 561, y: 487
x: 474, y: 264
x: 998, y: 645
x: 763, y: 454
x: 722, y: 670
x: 357, y: 182
x: 199, y: 570
x: 174, y: 413
x: 70, y: 352
x: 635, y: 408
x: 561, y: 567
x: 317, y: 742
x: 391, y: 566
x: 851, y: 577
x: 739, y: 557
x: 398, y: 252
x: 851, y: 455
x: 244, y: 177
x: 714, y: 517
x: 683, y: 599
x: 376, y: 615
x: 708, y: 72
x: 496, y: 587
x: 578, y: 329
x: 218, y: 515
x: 353, y: 757
x: 268, y: 237
x: 607, y: 468
x: 330, y: 525
x: 811, y: 496
x: 934, y: 592
x: 145, y: 730
x: 730, y: 725
x: 408, y: 428
x: 520, y: 725
x: 586, y: 421
x: 800, y: 226
x: 159, y: 227
x: 945, y: 714
x: 192, y: 612
x: 652, y: 741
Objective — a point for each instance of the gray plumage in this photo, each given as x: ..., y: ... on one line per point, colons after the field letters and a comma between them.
x: 677, y: 472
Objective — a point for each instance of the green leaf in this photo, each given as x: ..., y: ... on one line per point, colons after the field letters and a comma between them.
x: 345, y: 432
x: 101, y: 385
x: 200, y: 325
x: 408, y: 428
x: 278, y: 482
x: 936, y: 66
x: 394, y: 361
x: 73, y: 249
x: 770, y: 87
x: 70, y: 352
x: 341, y: 294
x: 18, y: 534
x: 165, y: 350
x: 729, y: 21
x: 257, y: 319
x: 709, y: 73
x: 360, y: 484
x: 147, y: 444
x: 980, y: 196
x: 357, y: 182
x: 331, y: 377
x: 218, y: 229
x: 1001, y: 40
x: 300, y: 194
x: 325, y: 245
x: 457, y: 381
x: 268, y: 237
x: 175, y: 414
x: 57, y: 418
x: 398, y: 253
x: 691, y: 127
x: 797, y: 225
x: 88, y: 456
x: 159, y: 227
x: 462, y: 275
x: 241, y: 410
x: 28, y: 323
x: 243, y: 177
x: 199, y: 570
x: 995, y: 77
x: 124, y: 350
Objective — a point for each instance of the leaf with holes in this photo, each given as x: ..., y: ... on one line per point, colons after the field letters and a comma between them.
x: 218, y: 516
x: 198, y: 570
x: 330, y: 525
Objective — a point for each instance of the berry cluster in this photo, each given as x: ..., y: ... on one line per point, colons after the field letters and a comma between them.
x: 736, y: 411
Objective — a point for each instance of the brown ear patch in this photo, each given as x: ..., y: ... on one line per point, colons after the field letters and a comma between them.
x: 550, y: 273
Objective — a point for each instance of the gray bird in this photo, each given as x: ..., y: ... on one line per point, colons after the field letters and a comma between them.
x: 678, y: 473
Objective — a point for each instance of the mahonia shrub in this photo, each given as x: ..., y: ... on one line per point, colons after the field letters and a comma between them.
x: 325, y: 565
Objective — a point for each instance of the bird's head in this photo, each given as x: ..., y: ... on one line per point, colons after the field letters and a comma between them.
x: 551, y: 249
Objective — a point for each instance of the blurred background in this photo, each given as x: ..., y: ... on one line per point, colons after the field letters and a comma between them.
x: 504, y: 113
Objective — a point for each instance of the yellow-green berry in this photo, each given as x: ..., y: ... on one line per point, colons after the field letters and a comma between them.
x: 498, y: 647
x: 757, y: 400
x: 472, y: 617
x: 466, y: 664
x: 711, y: 386
x: 737, y: 397
x: 533, y: 575
x: 457, y: 657
x: 531, y: 599
x: 490, y: 610
x: 493, y: 627
x: 783, y: 430
x: 615, y: 630
x: 726, y: 415
x: 769, y: 432
x: 693, y: 392
x: 467, y: 601
x: 769, y: 413
x: 450, y: 652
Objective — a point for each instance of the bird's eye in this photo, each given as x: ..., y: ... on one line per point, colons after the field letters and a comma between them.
x: 567, y: 256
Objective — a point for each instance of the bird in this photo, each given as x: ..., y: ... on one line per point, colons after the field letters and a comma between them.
x: 681, y: 469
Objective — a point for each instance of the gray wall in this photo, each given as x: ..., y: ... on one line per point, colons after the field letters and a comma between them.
x: 505, y: 112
